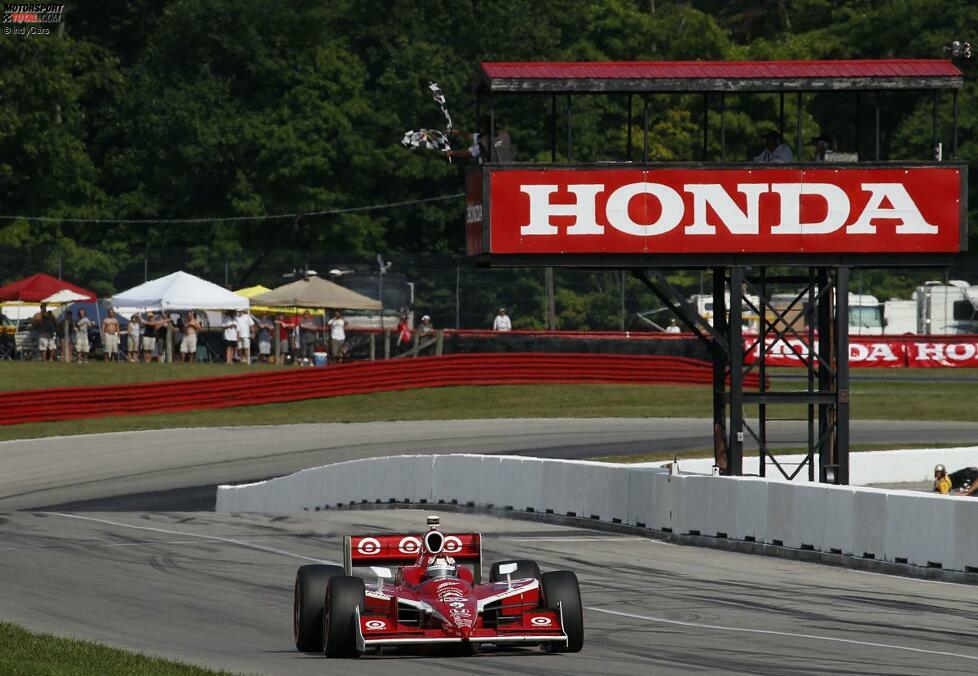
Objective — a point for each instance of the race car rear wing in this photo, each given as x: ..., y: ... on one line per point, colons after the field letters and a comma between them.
x: 401, y: 549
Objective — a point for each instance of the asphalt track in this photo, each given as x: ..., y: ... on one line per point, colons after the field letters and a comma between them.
x: 215, y: 589
x: 55, y: 471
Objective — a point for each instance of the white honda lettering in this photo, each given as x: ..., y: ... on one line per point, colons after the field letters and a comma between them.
x: 669, y: 199
x: 903, y: 209
x: 881, y: 352
x: 930, y: 351
x: 858, y: 352
x: 542, y: 210
x: 960, y: 351
x: 731, y: 217
x: 834, y: 196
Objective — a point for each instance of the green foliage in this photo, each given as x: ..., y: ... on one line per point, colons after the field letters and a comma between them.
x: 181, y: 109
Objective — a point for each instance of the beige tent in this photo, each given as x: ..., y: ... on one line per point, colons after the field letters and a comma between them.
x: 316, y: 292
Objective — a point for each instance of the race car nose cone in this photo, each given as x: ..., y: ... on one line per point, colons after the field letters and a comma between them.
x: 465, y: 633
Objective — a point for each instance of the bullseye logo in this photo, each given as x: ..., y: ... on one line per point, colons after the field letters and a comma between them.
x: 375, y: 624
x: 368, y: 546
x: 409, y: 545
x: 541, y: 621
x: 452, y: 545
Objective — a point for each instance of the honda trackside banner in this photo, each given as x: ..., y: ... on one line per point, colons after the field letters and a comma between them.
x: 729, y: 210
x: 874, y: 351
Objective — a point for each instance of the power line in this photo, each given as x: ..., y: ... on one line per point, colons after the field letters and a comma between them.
x: 326, y: 212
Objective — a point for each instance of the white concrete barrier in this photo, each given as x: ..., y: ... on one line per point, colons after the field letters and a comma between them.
x: 898, y: 526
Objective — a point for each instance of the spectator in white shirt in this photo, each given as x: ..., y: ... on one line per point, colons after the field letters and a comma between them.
x: 230, y: 337
x: 501, y: 322
x: 775, y: 149
x: 337, y: 336
x: 245, y: 324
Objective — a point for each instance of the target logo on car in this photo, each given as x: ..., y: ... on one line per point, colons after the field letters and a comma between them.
x: 374, y: 625
x: 409, y: 545
x: 541, y: 621
x: 369, y: 546
x: 452, y: 545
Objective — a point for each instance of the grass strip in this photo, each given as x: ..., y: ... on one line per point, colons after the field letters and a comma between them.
x: 24, y: 653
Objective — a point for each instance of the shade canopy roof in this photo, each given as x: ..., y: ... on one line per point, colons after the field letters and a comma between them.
x: 40, y: 286
x: 251, y: 291
x: 316, y: 292
x: 179, y: 291
x: 65, y: 296
x: 720, y: 76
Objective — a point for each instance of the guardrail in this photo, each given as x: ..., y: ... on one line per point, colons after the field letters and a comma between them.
x: 900, y: 527
x: 355, y: 378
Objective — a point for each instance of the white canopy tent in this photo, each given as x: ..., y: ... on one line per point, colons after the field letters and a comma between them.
x: 178, y: 291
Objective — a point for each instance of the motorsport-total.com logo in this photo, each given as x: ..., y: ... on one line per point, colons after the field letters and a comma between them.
x: 31, y: 18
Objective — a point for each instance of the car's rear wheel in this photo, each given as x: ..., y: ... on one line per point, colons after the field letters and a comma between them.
x: 343, y: 596
x: 524, y: 568
x: 308, y: 603
x: 562, y: 595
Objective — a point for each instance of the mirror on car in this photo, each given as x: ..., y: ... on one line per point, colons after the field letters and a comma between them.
x: 508, y: 568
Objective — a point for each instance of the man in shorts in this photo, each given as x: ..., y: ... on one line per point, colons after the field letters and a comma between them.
x: 151, y: 329
x: 82, y: 346
x: 110, y: 337
x: 246, y: 326
x: 337, y: 336
x: 265, y: 328
x: 188, y: 343
x: 46, y: 328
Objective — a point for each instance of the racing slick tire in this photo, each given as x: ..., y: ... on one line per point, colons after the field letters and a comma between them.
x: 343, y: 595
x: 524, y: 568
x: 560, y: 587
x: 308, y: 603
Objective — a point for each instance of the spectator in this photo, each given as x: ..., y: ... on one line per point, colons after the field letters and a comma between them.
x: 823, y: 144
x: 427, y: 329
x: 82, y: 345
x: 337, y: 336
x: 230, y: 337
x: 673, y: 327
x: 151, y: 327
x: 502, y: 322
x: 188, y: 342
x: 246, y: 326
x: 403, y: 334
x: 775, y: 149
x: 307, y: 337
x: 110, y: 337
x: 265, y: 327
x: 46, y: 328
x: 66, y: 334
x: 502, y: 144
x: 135, y: 331
x: 942, y: 482
x: 284, y: 328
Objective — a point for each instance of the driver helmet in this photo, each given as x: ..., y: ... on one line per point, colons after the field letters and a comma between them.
x: 940, y: 469
x: 441, y: 566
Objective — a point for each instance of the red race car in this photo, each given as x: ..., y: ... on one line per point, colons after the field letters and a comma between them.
x: 436, y: 597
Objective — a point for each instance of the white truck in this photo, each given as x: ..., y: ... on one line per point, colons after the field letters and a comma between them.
x: 935, y: 309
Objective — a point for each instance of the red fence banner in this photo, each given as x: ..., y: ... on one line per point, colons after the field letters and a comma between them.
x: 921, y: 353
x: 875, y: 351
x: 759, y: 209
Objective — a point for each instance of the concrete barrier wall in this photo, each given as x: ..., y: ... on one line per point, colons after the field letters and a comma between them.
x: 917, y: 529
x: 868, y: 467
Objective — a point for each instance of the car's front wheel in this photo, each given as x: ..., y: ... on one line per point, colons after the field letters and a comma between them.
x: 343, y: 596
x: 562, y: 595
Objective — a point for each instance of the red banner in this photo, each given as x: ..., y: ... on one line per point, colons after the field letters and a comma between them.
x: 921, y: 353
x: 731, y: 210
x: 875, y: 351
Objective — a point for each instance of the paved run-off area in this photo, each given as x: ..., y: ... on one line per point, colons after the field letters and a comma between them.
x: 215, y: 589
